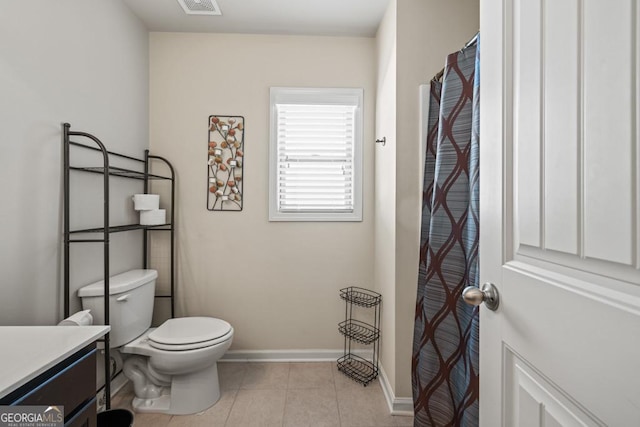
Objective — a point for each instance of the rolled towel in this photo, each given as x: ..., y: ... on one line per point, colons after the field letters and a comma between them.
x: 146, y: 202
x: 81, y: 318
x: 154, y: 217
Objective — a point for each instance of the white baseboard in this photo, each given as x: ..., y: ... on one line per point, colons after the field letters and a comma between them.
x: 288, y: 355
x: 397, y: 405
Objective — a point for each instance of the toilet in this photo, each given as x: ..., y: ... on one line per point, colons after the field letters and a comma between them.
x: 173, y: 367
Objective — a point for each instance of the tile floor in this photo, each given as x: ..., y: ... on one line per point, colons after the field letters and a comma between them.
x: 282, y: 394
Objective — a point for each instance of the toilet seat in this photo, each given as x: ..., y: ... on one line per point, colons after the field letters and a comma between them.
x: 190, y: 333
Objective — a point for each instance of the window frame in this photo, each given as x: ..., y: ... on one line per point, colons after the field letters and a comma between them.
x: 326, y: 96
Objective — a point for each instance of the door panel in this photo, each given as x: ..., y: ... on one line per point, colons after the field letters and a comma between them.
x: 610, y: 134
x: 558, y: 152
x: 584, y: 344
x: 560, y: 181
x: 561, y: 101
x: 532, y: 401
x: 527, y: 118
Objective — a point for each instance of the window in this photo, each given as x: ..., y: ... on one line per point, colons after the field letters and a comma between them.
x: 315, y: 155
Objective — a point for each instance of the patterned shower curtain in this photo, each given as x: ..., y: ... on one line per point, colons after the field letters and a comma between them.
x: 445, y: 343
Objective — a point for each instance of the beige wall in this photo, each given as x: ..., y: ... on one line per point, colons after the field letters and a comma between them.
x: 427, y: 31
x: 83, y: 62
x: 385, y: 179
x: 276, y: 282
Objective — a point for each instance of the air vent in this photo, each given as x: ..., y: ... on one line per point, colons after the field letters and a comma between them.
x: 200, y: 7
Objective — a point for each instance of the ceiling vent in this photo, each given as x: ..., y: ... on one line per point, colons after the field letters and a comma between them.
x: 200, y: 7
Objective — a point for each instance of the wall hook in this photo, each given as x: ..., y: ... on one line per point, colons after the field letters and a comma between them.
x: 382, y: 141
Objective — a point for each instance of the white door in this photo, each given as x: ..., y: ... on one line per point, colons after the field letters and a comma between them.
x: 560, y: 205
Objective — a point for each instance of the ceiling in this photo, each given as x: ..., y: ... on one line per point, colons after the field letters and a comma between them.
x: 301, y: 17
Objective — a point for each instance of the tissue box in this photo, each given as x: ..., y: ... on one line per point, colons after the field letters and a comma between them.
x: 153, y: 217
x: 146, y: 202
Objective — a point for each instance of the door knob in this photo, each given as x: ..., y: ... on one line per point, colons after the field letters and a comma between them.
x: 488, y: 295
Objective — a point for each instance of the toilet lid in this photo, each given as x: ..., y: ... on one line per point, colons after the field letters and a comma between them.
x: 183, y: 331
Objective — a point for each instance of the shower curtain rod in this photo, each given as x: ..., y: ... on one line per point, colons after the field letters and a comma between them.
x: 473, y: 40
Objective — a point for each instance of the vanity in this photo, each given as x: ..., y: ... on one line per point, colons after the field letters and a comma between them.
x: 52, y: 366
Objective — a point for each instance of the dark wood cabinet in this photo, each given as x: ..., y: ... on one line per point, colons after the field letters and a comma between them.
x: 86, y: 417
x: 71, y: 383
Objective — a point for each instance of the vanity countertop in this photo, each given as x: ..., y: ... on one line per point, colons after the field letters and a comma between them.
x: 28, y: 351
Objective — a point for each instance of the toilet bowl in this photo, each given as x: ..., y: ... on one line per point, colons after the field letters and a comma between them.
x: 173, y: 367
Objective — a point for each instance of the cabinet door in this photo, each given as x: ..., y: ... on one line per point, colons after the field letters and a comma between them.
x: 70, y: 387
x: 71, y: 383
x: 86, y: 417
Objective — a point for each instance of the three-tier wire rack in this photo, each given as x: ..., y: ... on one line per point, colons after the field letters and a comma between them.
x: 358, y: 368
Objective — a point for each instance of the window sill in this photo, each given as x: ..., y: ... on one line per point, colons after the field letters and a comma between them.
x: 314, y: 217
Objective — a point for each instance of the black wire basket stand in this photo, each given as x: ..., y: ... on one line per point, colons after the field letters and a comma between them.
x: 353, y: 366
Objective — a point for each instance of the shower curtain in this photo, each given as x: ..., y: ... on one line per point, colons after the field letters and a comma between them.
x: 445, y: 343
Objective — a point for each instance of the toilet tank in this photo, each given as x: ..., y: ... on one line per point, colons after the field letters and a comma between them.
x: 131, y: 296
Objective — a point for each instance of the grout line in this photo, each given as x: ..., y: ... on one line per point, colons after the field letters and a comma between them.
x: 286, y: 392
x: 334, y: 372
x: 288, y: 374
x: 235, y: 397
x: 284, y: 408
x: 233, y: 403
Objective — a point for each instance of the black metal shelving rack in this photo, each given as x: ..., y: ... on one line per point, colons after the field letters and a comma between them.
x: 107, y: 171
x: 355, y: 367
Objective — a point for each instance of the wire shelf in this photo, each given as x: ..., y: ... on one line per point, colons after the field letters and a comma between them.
x: 121, y: 172
x: 358, y: 369
x: 360, y: 296
x: 359, y: 331
x: 120, y: 228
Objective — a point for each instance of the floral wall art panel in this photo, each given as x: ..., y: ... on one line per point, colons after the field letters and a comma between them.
x: 225, y: 163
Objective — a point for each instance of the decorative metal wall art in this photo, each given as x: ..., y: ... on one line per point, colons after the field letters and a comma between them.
x: 225, y: 163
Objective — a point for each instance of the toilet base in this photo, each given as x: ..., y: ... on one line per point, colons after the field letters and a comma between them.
x: 188, y: 394
x: 160, y: 404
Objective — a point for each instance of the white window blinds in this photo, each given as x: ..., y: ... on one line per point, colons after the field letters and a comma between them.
x: 316, y: 154
x: 315, y: 157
